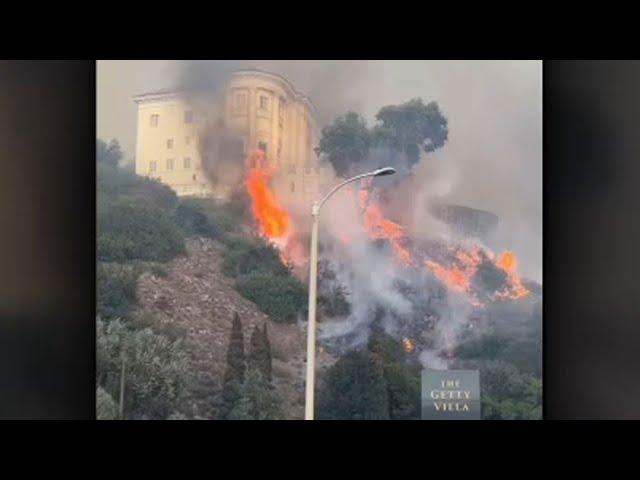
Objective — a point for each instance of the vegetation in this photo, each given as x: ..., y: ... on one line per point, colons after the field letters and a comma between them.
x: 282, y: 297
x: 378, y: 382
x: 129, y: 231
x: 260, y: 353
x: 258, y: 399
x: 106, y: 407
x: 109, y: 154
x: 408, y: 129
x: 236, y: 367
x: 247, y: 391
x: 246, y: 255
x: 155, y: 369
x: 116, y: 290
x: 355, y: 389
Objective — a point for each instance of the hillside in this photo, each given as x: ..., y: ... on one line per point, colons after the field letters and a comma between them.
x: 197, y: 300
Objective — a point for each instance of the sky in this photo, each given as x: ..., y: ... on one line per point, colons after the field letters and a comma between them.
x: 494, y: 154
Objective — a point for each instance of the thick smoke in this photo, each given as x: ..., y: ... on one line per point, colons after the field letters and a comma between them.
x: 491, y: 161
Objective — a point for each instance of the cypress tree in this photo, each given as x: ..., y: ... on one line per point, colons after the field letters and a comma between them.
x: 235, y: 372
x: 260, y: 353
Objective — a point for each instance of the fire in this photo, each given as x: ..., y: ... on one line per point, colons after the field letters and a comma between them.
x: 273, y: 220
x: 453, y: 277
x: 508, y: 262
x: 408, y: 345
x: 380, y: 227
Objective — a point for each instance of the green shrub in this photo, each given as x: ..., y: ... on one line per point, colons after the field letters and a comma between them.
x: 113, y: 183
x: 155, y: 369
x: 190, y: 216
x: 245, y: 255
x: 106, y: 407
x: 116, y: 290
x: 128, y: 231
x: 279, y: 296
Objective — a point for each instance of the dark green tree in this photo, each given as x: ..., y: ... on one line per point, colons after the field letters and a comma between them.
x: 411, y: 127
x: 260, y: 352
x: 346, y: 143
x: 401, y: 374
x: 235, y: 373
x: 258, y: 399
x: 108, y: 153
x: 355, y: 389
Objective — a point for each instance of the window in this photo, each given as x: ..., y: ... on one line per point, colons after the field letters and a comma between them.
x: 154, y: 120
x: 169, y: 163
x: 194, y: 178
x: 264, y: 102
x: 170, y: 143
x: 188, y: 116
x: 293, y: 187
x: 240, y: 104
x: 263, y: 146
x: 187, y: 162
x: 152, y: 166
x: 187, y: 140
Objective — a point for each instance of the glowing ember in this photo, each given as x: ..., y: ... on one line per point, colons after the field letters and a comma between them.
x: 408, y: 345
x: 273, y: 220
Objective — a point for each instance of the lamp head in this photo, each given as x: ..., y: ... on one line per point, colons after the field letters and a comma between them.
x: 384, y: 171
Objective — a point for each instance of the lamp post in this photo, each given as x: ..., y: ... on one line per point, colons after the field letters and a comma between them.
x: 313, y: 282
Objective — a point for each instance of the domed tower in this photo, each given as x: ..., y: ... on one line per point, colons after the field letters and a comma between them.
x: 266, y: 112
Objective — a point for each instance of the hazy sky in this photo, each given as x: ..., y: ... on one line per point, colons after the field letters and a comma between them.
x: 494, y: 110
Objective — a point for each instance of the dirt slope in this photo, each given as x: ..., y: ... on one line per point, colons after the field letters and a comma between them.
x: 196, y: 300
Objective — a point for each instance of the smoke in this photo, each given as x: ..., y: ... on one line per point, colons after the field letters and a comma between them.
x: 492, y: 161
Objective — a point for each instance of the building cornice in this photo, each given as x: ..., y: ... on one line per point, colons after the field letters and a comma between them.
x: 177, y: 93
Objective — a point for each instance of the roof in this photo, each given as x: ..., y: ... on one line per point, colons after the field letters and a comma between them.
x: 177, y: 91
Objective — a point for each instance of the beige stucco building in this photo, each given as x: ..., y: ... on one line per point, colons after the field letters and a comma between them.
x: 258, y: 110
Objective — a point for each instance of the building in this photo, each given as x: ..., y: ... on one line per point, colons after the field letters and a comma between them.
x: 259, y: 110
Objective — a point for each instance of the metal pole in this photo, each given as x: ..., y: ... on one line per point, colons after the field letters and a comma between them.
x: 122, y: 390
x: 311, y: 324
x: 313, y: 281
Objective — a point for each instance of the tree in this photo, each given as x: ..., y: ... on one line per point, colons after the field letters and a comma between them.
x: 258, y: 399
x: 355, y: 389
x: 260, y: 353
x: 235, y: 372
x: 109, y: 154
x: 346, y: 143
x: 411, y: 127
x: 402, y: 377
x: 106, y: 407
x: 157, y: 369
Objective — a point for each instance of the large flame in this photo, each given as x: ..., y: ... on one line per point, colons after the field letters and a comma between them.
x: 380, y: 227
x: 458, y: 275
x: 273, y: 220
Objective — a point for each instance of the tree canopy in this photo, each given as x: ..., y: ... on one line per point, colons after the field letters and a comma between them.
x: 408, y: 128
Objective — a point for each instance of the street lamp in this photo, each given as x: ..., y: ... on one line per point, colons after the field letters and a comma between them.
x: 313, y: 281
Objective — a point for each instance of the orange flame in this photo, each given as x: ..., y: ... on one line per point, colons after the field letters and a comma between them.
x: 379, y: 227
x: 273, y: 220
x: 508, y: 262
x: 408, y: 345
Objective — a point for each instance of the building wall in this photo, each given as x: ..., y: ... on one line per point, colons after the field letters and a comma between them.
x: 167, y: 147
x: 261, y: 109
